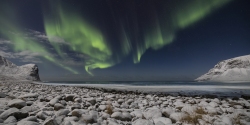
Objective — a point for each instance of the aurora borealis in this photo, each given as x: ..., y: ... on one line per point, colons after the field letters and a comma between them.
x: 93, y: 38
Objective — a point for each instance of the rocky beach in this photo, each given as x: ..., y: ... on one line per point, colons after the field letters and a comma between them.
x: 27, y: 103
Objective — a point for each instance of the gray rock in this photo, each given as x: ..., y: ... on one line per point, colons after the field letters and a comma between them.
x: 79, y: 112
x: 50, y: 121
x: 29, y: 103
x: 17, y: 103
x: 58, y: 106
x: 42, y: 115
x: 14, y: 112
x: 2, y: 95
x: 123, y: 116
x: 92, y: 101
x: 88, y: 118
x: 29, y: 108
x: 62, y: 112
x: 30, y: 118
x: 59, y: 119
x: 27, y: 123
x: 69, y: 97
x: 29, y: 95
x: 73, y: 118
x: 75, y: 106
x: 10, y: 119
x: 53, y: 101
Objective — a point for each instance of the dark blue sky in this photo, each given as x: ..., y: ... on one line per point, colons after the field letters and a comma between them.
x: 220, y: 34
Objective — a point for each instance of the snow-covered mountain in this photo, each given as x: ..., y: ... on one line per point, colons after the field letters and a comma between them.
x: 10, y: 71
x: 235, y: 69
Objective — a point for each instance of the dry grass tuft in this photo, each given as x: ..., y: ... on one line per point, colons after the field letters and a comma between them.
x: 236, y: 120
x: 109, y: 109
x: 192, y: 119
x: 201, y: 111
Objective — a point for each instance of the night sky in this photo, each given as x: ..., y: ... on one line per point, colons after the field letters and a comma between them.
x: 123, y: 40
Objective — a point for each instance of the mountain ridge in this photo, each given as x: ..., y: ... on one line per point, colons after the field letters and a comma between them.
x: 10, y: 71
x: 235, y: 69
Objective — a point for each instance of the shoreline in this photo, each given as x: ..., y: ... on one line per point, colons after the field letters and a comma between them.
x: 175, y: 90
x: 38, y: 103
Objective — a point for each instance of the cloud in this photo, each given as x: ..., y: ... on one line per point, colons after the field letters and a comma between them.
x: 2, y: 41
x: 7, y: 54
x: 42, y: 37
x: 24, y: 56
x: 27, y: 56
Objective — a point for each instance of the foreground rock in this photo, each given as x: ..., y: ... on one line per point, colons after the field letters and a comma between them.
x: 35, y: 104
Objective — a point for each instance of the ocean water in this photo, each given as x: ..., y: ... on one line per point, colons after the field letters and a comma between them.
x: 149, y: 83
x: 186, y: 88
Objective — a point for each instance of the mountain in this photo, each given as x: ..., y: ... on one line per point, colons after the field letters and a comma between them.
x: 10, y: 71
x: 235, y: 69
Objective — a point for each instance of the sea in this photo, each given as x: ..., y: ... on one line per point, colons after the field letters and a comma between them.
x: 167, y: 87
x: 150, y: 83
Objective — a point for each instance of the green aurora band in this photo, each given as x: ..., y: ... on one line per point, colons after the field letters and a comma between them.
x: 86, y: 39
x: 81, y: 37
x: 10, y: 30
x: 186, y: 14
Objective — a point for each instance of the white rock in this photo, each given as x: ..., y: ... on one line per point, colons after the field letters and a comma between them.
x: 137, y: 114
x: 152, y: 113
x: 142, y: 122
x: 227, y: 120
x: 102, y: 107
x: 120, y: 101
x: 211, y: 110
x: 29, y: 95
x: 105, y: 115
x: 110, y: 96
x: 167, y: 111
x: 213, y: 104
x: 126, y: 116
x: 117, y: 115
x: 163, y: 120
x: 189, y: 109
x: 177, y: 116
